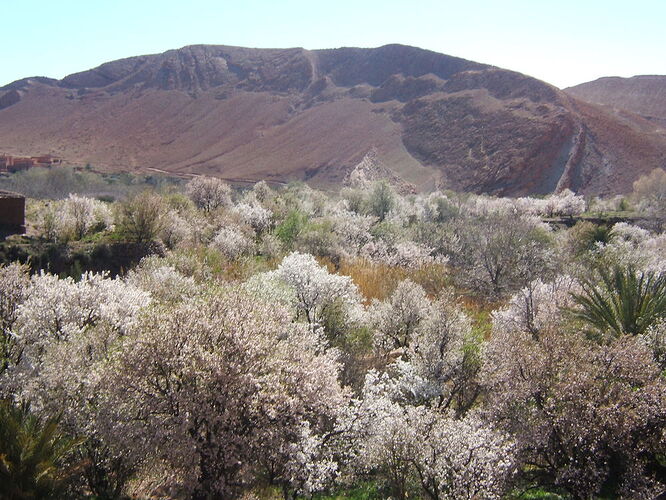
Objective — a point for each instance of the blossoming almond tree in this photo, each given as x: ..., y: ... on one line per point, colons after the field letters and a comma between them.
x: 395, y: 320
x: 57, y: 308
x: 66, y: 330
x: 314, y: 287
x: 416, y: 447
x: 14, y: 284
x: 224, y: 389
x: 585, y: 416
x: 209, y: 193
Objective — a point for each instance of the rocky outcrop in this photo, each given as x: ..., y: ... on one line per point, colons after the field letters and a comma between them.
x: 371, y: 169
x: 9, y: 98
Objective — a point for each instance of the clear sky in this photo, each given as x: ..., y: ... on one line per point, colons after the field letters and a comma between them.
x: 563, y: 42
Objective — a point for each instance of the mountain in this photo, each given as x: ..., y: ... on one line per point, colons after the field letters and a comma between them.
x: 642, y: 95
x: 243, y: 114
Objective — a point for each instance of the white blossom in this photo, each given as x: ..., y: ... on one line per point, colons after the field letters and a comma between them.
x: 314, y: 287
x: 209, y: 193
x: 225, y: 388
x: 232, y: 242
x: 176, y: 229
x: 74, y: 217
x: 254, y: 215
x: 162, y: 281
x: 56, y: 309
x: 395, y: 320
x: 449, y: 458
x: 537, y: 307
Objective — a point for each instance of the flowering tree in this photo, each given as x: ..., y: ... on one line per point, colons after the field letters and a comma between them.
x: 232, y: 242
x: 254, y: 215
x: 537, y: 307
x: 353, y: 230
x: 436, y: 370
x: 55, y: 309
x: 234, y: 388
x: 655, y: 338
x: 85, y: 213
x: 405, y: 254
x: 14, y: 283
x: 462, y: 459
x: 162, y: 281
x: 209, y: 193
x: 315, y: 288
x: 262, y: 191
x: 437, y: 364
x: 565, y: 203
x: 395, y: 320
x: 66, y: 330
x: 418, y: 447
x: 176, y: 229
x: 67, y: 379
x: 585, y: 416
x: 632, y: 246
x: 500, y: 254
x: 74, y: 217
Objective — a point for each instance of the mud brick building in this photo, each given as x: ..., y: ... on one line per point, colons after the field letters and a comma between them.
x: 12, y: 213
x: 11, y: 164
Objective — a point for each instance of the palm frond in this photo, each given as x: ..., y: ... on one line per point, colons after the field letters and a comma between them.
x: 623, y: 301
x: 33, y: 454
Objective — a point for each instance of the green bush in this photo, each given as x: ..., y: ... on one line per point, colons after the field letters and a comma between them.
x: 291, y: 227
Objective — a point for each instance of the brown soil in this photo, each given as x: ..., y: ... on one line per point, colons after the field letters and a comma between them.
x: 280, y: 115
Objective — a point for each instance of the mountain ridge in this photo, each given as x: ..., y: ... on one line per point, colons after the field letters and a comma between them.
x: 644, y: 95
x: 244, y: 114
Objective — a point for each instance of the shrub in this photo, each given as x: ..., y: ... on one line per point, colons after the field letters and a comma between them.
x: 142, y: 217
x: 650, y: 194
x: 291, y: 227
x: 381, y: 200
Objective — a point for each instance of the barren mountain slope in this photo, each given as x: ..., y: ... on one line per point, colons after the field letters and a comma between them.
x: 643, y: 95
x: 248, y: 114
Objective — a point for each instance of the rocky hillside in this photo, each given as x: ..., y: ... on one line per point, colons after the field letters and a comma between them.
x: 247, y: 114
x: 643, y: 95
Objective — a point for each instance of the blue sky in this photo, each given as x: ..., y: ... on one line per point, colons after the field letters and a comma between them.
x: 563, y: 42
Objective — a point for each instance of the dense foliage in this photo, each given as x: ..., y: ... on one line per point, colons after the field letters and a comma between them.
x: 288, y: 343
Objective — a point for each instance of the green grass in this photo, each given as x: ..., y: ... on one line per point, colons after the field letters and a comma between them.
x: 536, y: 494
x: 364, y: 491
x: 367, y: 490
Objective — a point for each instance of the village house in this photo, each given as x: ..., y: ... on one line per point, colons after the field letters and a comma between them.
x: 5, y: 161
x: 12, y: 213
x: 46, y: 160
x: 12, y: 164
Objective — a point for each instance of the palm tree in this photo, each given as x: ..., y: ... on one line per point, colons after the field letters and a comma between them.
x: 624, y: 301
x: 33, y: 454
